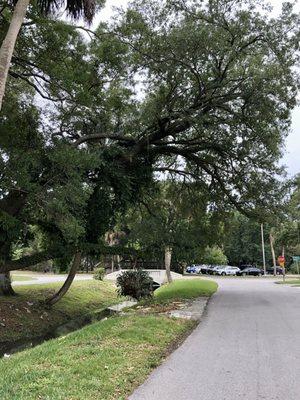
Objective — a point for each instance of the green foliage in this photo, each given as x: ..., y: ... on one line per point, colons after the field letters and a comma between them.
x: 83, y: 298
x: 243, y: 235
x: 243, y: 241
x: 61, y: 265
x: 78, y: 146
x: 214, y: 255
x: 287, y: 230
x: 294, y: 268
x: 99, y: 353
x: 185, y: 289
x: 174, y: 215
x: 99, y: 273
x: 135, y: 283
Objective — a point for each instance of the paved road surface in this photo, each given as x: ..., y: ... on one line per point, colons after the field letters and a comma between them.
x: 49, y: 278
x: 246, y: 347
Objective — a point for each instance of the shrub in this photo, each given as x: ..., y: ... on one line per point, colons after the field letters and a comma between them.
x: 293, y: 269
x: 99, y: 274
x: 135, y: 283
x: 214, y: 255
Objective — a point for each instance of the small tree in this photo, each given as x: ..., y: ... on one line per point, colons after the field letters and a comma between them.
x: 99, y: 273
x: 214, y: 255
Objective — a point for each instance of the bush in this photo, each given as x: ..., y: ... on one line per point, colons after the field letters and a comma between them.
x: 293, y: 269
x: 214, y: 255
x: 135, y: 283
x: 99, y: 274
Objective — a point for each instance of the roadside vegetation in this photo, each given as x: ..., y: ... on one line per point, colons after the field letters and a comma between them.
x: 22, y: 278
x: 21, y: 317
x: 106, y: 359
x: 294, y: 282
x: 185, y: 289
x: 126, y: 146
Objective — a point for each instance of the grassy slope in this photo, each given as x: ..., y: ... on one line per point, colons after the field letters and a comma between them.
x: 17, y: 278
x: 23, y: 319
x: 289, y: 282
x: 185, y: 289
x: 105, y: 360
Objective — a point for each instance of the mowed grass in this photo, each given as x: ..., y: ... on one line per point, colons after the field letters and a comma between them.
x: 185, y: 289
x: 25, y: 315
x: 105, y: 360
x: 294, y: 282
x: 20, y: 278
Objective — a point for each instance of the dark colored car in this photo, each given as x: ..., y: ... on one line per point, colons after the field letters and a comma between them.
x: 250, y: 271
x: 279, y: 271
x: 210, y: 270
x: 204, y: 269
x: 244, y: 266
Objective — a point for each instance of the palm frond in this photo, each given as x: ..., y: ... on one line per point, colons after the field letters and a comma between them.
x: 75, y: 8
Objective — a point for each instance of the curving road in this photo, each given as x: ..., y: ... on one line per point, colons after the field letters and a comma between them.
x: 40, y: 279
x: 246, y: 347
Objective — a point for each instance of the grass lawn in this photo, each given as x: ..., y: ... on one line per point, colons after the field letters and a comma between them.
x: 185, y: 289
x: 24, y: 316
x: 105, y: 360
x: 295, y: 282
x: 17, y: 278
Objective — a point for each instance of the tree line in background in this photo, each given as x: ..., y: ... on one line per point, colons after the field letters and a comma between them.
x: 163, y: 121
x: 178, y: 218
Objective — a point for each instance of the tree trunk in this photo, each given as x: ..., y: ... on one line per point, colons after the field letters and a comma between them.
x: 65, y: 287
x: 168, y: 256
x: 5, y: 285
x: 273, y: 253
x: 112, y: 263
x: 8, y: 44
x: 118, y: 262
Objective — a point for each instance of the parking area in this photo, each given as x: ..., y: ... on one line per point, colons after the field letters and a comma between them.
x: 229, y: 270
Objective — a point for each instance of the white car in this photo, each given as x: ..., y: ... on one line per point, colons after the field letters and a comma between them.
x: 227, y: 271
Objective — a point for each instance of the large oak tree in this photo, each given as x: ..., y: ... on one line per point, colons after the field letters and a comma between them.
x: 198, y: 90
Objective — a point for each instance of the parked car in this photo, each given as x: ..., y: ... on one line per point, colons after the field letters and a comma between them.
x: 190, y: 269
x: 193, y: 269
x: 214, y: 269
x: 279, y: 271
x: 204, y: 269
x: 227, y: 270
x: 244, y: 266
x: 250, y: 271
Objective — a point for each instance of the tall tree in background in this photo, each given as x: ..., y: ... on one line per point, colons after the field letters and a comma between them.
x: 287, y: 230
x: 174, y: 224
x: 75, y: 8
x: 243, y: 241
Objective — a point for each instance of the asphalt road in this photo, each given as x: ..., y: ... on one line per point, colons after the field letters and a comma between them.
x: 246, y: 347
x: 40, y: 279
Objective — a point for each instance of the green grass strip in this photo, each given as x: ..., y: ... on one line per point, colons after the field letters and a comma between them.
x: 105, y: 360
x: 185, y: 289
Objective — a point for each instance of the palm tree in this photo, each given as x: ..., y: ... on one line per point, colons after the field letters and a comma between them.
x: 75, y: 8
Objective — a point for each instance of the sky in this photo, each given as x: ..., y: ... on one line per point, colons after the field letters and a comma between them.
x: 291, y: 158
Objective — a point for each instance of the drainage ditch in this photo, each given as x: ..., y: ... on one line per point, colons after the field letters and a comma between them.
x: 7, y: 348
